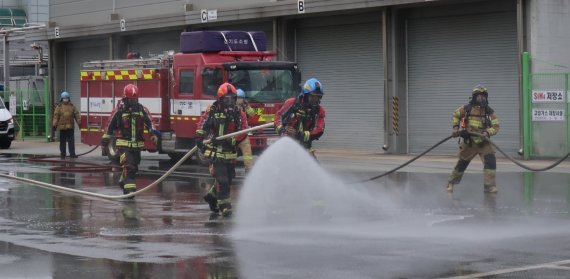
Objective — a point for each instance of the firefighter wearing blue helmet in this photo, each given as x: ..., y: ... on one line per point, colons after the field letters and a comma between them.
x: 245, y: 144
x: 64, y: 116
x: 303, y: 118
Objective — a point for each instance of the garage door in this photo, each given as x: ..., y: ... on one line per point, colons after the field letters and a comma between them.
x: 77, y: 53
x: 347, y: 59
x: 447, y: 57
x: 153, y: 44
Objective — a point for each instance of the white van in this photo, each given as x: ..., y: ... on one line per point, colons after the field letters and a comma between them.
x: 6, y: 126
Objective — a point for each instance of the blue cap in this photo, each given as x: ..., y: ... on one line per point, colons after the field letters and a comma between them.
x: 240, y: 93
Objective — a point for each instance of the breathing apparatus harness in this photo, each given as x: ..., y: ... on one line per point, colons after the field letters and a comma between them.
x: 488, y: 111
x: 233, y: 115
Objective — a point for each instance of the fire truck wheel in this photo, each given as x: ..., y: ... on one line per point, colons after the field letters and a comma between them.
x: 112, y: 151
x: 5, y: 144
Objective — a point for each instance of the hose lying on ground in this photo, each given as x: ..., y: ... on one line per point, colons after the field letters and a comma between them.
x: 160, y: 179
x: 474, y: 134
x: 404, y: 164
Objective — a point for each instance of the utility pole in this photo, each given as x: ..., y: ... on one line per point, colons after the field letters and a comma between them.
x: 6, y: 62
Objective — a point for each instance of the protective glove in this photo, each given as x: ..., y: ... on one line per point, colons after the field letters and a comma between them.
x: 291, y: 132
x: 455, y: 132
x: 464, y: 134
x: 105, y: 140
x: 200, y: 144
x: 226, y: 141
x: 485, y: 134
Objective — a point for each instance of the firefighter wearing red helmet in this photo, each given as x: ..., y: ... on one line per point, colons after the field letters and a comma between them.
x: 128, y: 125
x: 475, y: 122
x: 303, y: 118
x: 222, y: 117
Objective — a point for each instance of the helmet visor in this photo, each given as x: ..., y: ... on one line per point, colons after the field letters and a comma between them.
x: 314, y: 99
x: 229, y: 100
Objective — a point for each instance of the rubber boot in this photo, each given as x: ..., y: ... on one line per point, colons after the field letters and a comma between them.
x: 490, y: 189
x: 226, y: 210
x: 212, y: 202
x: 450, y: 187
x: 129, y: 188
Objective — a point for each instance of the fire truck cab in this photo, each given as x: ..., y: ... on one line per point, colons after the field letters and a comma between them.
x: 178, y: 88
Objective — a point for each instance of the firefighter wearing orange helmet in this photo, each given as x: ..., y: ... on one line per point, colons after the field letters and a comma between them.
x: 221, y: 118
x: 475, y: 122
x: 128, y: 124
x: 303, y: 118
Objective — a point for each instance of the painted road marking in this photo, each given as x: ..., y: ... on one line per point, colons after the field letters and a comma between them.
x: 516, y: 269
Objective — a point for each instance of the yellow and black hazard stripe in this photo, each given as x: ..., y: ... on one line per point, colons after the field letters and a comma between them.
x: 134, y: 74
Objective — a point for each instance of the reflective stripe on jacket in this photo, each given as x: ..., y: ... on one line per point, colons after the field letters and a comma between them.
x: 478, y: 121
x: 217, y: 121
x: 129, y: 123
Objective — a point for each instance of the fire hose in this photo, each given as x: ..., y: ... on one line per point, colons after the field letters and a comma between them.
x: 77, y: 166
x: 474, y: 134
x: 148, y: 187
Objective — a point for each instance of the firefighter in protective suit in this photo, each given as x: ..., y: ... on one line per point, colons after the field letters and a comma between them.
x: 479, y: 118
x: 221, y: 118
x: 64, y: 116
x: 245, y: 144
x: 129, y: 121
x: 303, y: 117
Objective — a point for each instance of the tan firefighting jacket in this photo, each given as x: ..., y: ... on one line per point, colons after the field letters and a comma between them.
x: 64, y: 115
x: 478, y: 120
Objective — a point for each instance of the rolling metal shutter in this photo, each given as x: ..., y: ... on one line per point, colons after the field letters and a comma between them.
x: 447, y: 57
x: 77, y: 53
x: 347, y: 59
x: 153, y: 44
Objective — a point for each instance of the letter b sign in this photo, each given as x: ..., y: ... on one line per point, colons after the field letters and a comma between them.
x: 301, y: 6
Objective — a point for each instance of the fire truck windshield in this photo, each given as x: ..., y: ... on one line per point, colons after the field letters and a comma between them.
x: 265, y: 85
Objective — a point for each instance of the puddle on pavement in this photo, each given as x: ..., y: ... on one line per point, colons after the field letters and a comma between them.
x: 288, y: 200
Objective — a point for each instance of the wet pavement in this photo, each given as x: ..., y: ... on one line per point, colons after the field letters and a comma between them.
x: 405, y: 226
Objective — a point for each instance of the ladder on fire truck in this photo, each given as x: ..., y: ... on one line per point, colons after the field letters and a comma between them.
x: 151, y: 63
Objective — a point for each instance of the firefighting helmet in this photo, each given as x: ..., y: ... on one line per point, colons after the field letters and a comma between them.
x: 225, y: 89
x: 479, y: 89
x: 65, y: 95
x: 240, y: 93
x: 131, y: 91
x: 313, y: 86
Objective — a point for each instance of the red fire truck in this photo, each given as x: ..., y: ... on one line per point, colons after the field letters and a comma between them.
x: 177, y: 88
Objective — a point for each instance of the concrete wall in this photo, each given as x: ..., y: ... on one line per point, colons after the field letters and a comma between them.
x: 548, y: 35
x: 37, y: 10
x: 10, y: 4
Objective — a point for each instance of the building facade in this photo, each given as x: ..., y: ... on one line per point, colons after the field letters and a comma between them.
x: 394, y: 71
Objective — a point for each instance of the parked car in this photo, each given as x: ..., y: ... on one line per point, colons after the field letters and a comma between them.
x: 6, y: 126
